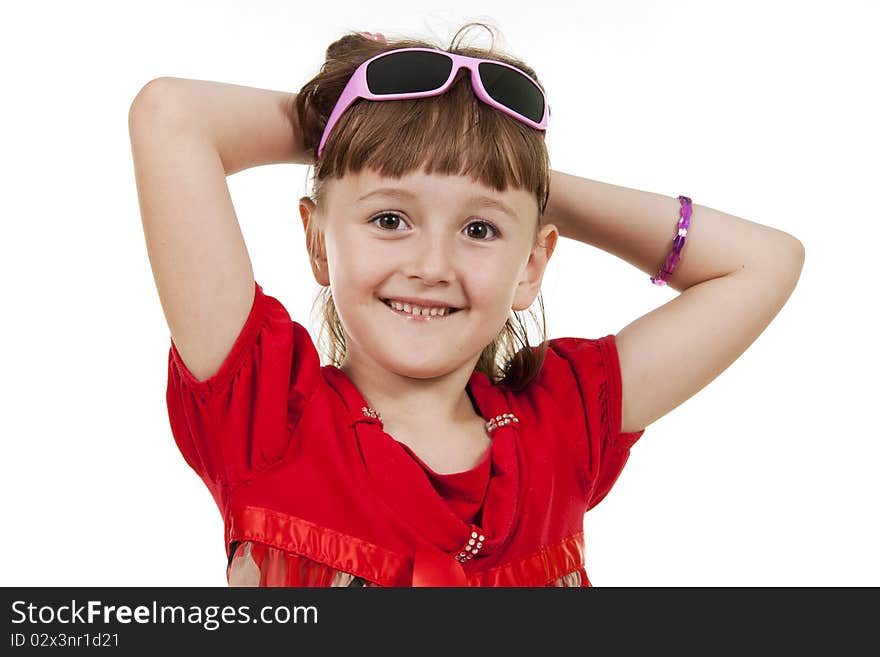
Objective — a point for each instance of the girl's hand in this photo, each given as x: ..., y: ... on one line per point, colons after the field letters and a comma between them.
x: 375, y: 37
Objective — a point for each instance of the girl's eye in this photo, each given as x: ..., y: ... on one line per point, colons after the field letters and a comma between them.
x: 397, y: 217
x: 487, y: 225
x: 385, y: 214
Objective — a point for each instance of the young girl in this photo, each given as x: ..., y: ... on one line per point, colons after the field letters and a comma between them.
x: 438, y: 447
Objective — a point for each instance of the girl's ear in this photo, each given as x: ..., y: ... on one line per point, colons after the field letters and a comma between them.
x: 308, y: 211
x: 530, y: 283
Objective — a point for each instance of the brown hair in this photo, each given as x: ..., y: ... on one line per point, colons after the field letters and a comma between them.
x: 453, y: 133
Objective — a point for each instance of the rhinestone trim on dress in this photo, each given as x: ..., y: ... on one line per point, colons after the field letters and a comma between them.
x: 369, y: 412
x: 500, y: 421
x: 469, y: 551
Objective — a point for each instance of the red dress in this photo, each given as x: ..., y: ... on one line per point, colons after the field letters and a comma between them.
x: 313, y: 492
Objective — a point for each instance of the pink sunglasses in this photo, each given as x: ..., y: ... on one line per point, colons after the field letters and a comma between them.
x: 422, y: 72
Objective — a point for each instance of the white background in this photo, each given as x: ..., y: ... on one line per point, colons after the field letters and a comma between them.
x: 765, y: 110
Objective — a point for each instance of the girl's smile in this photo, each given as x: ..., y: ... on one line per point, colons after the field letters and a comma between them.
x: 408, y: 315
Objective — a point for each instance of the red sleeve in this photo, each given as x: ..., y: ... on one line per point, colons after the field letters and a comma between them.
x: 583, y: 375
x: 238, y: 422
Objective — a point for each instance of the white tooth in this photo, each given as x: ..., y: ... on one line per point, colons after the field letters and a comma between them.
x: 418, y: 311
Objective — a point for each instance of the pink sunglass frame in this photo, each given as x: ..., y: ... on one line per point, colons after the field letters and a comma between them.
x: 357, y: 88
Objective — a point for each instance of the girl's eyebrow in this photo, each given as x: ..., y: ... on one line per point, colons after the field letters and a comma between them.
x: 481, y: 200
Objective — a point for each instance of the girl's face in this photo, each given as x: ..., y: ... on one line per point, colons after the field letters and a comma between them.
x: 433, y: 237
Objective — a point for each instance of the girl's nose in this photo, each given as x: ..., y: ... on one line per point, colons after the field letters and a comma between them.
x: 432, y: 260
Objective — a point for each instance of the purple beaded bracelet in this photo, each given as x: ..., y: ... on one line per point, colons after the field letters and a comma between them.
x: 677, y: 244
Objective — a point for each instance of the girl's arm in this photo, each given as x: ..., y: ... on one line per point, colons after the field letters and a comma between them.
x: 249, y: 126
x: 638, y: 227
x: 187, y: 136
x: 734, y: 276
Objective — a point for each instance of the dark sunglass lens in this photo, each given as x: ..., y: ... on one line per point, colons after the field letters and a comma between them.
x: 513, y: 89
x: 408, y: 72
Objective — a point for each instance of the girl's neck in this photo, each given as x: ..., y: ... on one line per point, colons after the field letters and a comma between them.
x: 418, y: 406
